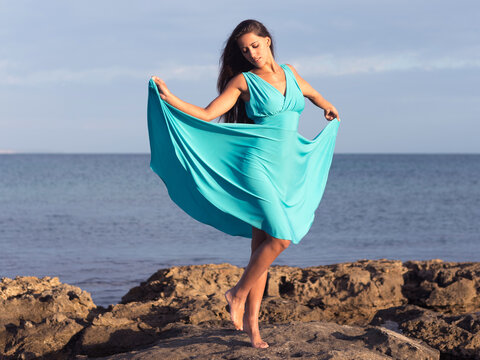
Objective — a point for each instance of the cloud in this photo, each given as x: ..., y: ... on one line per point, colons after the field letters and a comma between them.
x: 330, y: 65
x: 194, y: 72
x: 321, y: 65
x: 10, y: 74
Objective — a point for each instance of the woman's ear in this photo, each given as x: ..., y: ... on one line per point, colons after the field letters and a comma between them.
x: 269, y: 41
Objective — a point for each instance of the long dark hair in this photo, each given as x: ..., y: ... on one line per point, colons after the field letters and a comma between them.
x: 232, y: 63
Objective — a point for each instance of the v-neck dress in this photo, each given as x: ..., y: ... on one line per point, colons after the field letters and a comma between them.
x: 233, y: 176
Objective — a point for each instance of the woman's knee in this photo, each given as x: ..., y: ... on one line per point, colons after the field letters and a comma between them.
x: 281, y: 244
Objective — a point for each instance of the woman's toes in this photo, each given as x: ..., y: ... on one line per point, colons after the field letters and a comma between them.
x: 261, y: 345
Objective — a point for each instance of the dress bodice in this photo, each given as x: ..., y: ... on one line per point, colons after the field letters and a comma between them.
x: 267, y: 106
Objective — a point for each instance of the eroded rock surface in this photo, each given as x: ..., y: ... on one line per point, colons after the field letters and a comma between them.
x: 434, y: 301
x: 455, y: 335
x: 39, y: 317
x: 346, y: 293
x: 311, y: 340
x: 447, y: 287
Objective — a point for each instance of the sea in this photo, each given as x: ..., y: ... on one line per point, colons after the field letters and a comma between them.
x: 105, y: 222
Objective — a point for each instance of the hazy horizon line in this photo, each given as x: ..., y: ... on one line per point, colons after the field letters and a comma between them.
x: 147, y: 153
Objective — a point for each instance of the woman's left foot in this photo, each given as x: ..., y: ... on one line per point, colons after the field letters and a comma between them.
x: 251, y: 328
x: 236, y: 309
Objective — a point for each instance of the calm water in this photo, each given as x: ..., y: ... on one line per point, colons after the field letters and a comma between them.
x: 105, y: 222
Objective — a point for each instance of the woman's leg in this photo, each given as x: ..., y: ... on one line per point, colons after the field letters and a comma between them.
x: 260, y: 261
x: 255, y: 296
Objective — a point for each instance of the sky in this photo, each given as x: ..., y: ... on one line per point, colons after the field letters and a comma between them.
x: 404, y: 75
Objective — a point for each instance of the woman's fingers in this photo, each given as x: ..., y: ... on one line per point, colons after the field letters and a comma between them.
x: 331, y: 114
x: 157, y: 81
x: 162, y: 87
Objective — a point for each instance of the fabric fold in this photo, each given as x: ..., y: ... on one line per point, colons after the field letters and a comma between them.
x: 235, y: 176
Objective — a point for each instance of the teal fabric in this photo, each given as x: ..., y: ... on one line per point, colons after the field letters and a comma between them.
x: 235, y: 176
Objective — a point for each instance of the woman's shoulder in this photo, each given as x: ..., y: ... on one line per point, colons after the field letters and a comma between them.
x: 290, y: 66
x: 238, y: 79
x: 239, y: 82
x: 298, y: 78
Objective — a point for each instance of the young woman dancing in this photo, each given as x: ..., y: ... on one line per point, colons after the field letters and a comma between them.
x: 254, y: 170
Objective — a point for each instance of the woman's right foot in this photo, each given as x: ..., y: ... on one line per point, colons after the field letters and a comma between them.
x: 236, y: 309
x: 251, y: 328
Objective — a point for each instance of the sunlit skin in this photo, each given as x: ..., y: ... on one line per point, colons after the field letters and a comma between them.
x: 253, y: 47
x: 245, y: 298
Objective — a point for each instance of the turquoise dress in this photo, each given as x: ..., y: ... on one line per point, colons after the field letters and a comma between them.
x: 233, y: 176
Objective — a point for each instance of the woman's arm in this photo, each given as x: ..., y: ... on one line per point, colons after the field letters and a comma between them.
x: 309, y: 92
x: 219, y: 106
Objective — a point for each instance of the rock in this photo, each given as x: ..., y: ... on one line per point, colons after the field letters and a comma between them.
x: 32, y: 299
x: 312, y: 340
x: 457, y: 336
x: 39, y: 317
x: 347, y: 293
x: 436, y: 301
x: 125, y: 327
x: 188, y: 294
x: 47, y: 338
x: 186, y: 282
x: 443, y: 286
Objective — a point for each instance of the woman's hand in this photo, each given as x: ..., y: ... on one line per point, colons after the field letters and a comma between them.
x: 162, y: 88
x: 331, y: 113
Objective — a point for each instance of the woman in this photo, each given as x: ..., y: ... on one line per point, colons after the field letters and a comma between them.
x: 256, y: 169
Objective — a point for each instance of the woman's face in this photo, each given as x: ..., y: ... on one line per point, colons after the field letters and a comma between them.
x: 256, y: 49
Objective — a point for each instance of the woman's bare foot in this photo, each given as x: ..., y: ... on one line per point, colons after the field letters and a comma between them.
x: 251, y: 328
x: 236, y: 309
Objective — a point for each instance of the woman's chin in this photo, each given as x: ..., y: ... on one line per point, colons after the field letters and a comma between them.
x: 258, y: 64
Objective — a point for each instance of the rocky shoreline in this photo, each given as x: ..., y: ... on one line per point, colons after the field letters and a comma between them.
x: 369, y: 309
